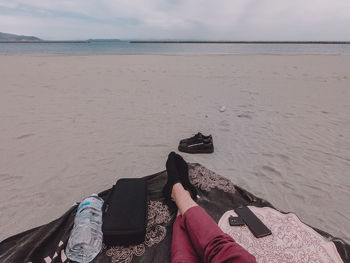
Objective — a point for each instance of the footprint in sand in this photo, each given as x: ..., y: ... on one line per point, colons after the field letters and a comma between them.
x: 244, y: 115
x: 269, y: 171
x: 24, y: 136
x: 8, y: 177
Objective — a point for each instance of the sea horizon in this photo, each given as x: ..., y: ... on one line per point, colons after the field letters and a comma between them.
x: 178, y: 41
x: 173, y: 47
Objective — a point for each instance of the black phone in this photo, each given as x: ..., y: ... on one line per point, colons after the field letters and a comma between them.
x: 236, y: 221
x: 253, y: 222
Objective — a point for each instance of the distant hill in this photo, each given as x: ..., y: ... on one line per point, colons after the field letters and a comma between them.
x: 4, y: 37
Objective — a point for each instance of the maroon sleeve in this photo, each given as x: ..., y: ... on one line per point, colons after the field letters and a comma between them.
x: 182, y: 250
x: 224, y: 249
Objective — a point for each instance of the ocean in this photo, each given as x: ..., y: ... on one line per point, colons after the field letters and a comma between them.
x: 125, y: 47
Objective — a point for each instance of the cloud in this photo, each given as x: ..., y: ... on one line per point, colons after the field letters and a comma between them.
x: 184, y: 19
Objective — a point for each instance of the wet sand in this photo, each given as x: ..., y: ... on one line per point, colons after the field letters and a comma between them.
x: 73, y: 125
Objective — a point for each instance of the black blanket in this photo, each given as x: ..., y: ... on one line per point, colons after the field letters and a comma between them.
x: 217, y: 195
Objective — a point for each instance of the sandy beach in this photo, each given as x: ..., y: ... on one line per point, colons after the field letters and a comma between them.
x: 73, y: 125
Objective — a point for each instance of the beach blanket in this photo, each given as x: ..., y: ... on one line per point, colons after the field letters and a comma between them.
x: 217, y: 195
x: 291, y: 241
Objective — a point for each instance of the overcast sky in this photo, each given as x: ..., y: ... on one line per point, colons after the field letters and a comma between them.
x: 178, y: 19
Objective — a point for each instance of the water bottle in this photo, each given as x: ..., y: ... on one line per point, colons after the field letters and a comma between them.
x: 85, y: 240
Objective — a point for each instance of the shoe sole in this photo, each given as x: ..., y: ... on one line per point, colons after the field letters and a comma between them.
x: 188, y: 150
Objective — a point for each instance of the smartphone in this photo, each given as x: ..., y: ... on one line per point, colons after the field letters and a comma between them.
x: 253, y: 222
x: 235, y: 221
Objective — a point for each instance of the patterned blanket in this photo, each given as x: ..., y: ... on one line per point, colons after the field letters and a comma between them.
x: 217, y: 195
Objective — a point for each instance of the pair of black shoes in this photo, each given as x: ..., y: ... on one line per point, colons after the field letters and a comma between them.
x: 177, y: 170
x: 199, y: 143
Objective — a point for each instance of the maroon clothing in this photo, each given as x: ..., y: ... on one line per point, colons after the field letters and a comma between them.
x: 196, y: 238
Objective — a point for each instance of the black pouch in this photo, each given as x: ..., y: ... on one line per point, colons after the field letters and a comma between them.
x: 125, y: 213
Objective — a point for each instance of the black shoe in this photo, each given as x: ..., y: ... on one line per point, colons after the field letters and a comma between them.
x: 182, y: 168
x: 197, y: 144
x: 199, y: 137
x: 173, y: 178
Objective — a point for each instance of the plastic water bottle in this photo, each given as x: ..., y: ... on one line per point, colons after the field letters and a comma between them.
x: 85, y: 240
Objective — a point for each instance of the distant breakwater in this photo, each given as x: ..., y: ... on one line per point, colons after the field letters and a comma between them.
x: 240, y: 42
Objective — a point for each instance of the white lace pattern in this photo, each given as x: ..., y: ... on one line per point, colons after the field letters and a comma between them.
x: 291, y: 241
x: 206, y: 180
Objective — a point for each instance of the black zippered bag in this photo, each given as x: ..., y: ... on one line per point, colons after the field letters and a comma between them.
x: 125, y: 213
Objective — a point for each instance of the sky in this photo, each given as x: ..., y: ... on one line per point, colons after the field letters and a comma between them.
x: 327, y: 20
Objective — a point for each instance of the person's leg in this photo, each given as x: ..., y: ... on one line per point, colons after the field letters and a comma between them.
x: 182, y: 198
x: 211, y: 244
x: 181, y: 247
